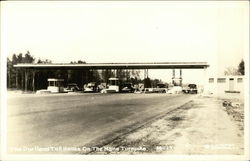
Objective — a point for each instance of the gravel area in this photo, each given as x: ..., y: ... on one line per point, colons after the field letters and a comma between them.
x: 202, y: 126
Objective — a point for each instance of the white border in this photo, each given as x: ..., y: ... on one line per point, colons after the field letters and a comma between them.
x: 5, y: 156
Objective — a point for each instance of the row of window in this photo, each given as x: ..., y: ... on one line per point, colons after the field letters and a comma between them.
x: 55, y: 83
x: 223, y: 80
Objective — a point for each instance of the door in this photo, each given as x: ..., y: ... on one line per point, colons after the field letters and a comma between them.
x: 231, y: 84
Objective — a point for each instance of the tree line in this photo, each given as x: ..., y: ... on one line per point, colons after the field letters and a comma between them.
x: 16, y: 76
x: 240, y: 70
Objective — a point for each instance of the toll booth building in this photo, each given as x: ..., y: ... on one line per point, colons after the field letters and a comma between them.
x: 226, y: 84
x: 55, y: 85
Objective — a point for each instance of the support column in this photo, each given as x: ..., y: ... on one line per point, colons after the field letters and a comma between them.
x: 33, y: 80
x: 91, y: 75
x: 106, y: 75
x: 16, y: 79
x: 86, y: 75
x: 126, y: 74
x: 26, y: 80
x: 173, y: 76
x: 180, y: 77
x: 205, y: 80
x: 115, y: 73
x: 22, y: 84
x: 82, y: 77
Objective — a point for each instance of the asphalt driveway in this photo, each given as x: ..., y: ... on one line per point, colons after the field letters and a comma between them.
x: 76, y: 120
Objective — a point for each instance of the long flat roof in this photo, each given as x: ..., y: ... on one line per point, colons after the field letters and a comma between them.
x: 153, y: 65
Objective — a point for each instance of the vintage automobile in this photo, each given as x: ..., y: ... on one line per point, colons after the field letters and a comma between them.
x: 161, y: 88
x: 72, y: 87
x: 175, y: 90
x: 127, y: 87
x: 90, y: 87
x: 190, y: 89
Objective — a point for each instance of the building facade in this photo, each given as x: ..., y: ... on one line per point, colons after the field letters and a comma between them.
x: 225, y: 84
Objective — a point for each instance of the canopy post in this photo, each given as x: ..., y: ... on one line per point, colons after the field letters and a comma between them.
x: 33, y: 79
x: 26, y: 80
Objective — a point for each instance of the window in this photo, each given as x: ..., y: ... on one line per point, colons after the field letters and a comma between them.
x: 239, y: 80
x: 231, y: 79
x: 211, y: 80
x: 51, y: 83
x: 112, y: 82
x: 60, y: 84
x: 221, y: 80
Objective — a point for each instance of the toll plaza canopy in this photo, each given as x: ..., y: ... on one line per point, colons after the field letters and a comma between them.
x: 154, y: 65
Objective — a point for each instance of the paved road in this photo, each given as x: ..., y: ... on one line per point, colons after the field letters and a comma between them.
x: 81, y: 119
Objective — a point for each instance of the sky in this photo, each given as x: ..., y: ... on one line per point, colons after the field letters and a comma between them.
x: 64, y: 31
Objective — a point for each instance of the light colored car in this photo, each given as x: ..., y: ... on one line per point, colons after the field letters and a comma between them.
x: 161, y: 88
x: 90, y: 87
x: 148, y: 90
x: 175, y: 90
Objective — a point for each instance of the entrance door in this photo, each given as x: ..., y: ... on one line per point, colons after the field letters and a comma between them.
x: 231, y: 84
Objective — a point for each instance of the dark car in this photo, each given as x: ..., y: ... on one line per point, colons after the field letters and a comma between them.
x: 191, y: 89
x: 161, y: 88
x: 127, y: 87
x: 72, y: 87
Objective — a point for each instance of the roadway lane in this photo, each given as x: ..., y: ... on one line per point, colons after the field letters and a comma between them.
x: 80, y: 119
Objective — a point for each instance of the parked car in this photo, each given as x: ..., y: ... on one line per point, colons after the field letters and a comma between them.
x: 161, y: 88
x: 90, y: 87
x: 175, y: 90
x: 127, y: 87
x: 148, y: 90
x: 72, y: 87
x: 190, y: 89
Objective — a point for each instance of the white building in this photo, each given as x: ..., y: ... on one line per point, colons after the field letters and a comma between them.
x: 225, y: 84
x: 55, y: 85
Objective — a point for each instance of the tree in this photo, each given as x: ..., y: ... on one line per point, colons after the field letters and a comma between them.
x: 79, y: 76
x: 14, y: 59
x: 28, y: 58
x: 20, y: 58
x: 241, y: 68
x: 147, y: 83
x: 16, y: 75
x: 46, y: 61
x: 236, y: 71
x: 231, y: 71
x: 9, y: 72
x: 155, y: 82
x: 81, y: 62
x: 106, y: 74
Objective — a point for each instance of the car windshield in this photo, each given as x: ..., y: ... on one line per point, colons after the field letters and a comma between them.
x: 192, y: 85
x: 127, y: 85
x: 161, y: 85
